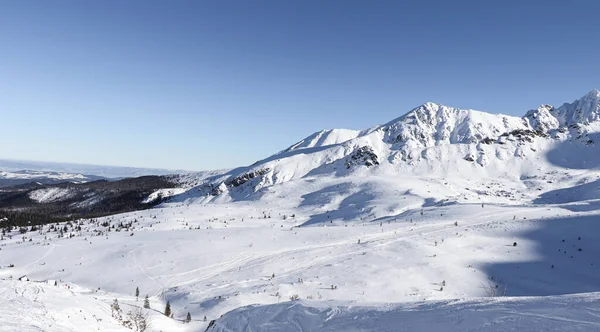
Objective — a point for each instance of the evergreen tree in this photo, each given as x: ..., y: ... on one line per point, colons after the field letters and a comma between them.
x: 147, y: 302
x: 168, y: 309
x: 137, y: 293
x: 188, y: 318
x: 116, y: 310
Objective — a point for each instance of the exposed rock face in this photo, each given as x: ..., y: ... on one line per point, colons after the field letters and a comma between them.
x: 241, y: 179
x: 362, y: 156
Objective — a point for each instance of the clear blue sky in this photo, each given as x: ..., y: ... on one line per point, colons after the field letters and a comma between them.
x: 213, y: 84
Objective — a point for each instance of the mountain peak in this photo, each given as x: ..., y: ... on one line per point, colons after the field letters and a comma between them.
x: 594, y: 94
x: 581, y: 111
x: 431, y: 104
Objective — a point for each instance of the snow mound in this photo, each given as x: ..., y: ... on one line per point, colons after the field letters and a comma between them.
x: 556, y: 313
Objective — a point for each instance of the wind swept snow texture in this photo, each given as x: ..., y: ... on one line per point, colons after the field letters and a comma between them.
x: 560, y: 314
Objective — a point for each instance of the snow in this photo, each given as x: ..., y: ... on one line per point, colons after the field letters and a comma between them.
x: 164, y: 193
x: 363, y: 246
x: 32, y: 175
x: 32, y: 307
x: 396, y: 261
x: 582, y: 111
x: 556, y: 313
x: 47, y: 195
x: 325, y: 138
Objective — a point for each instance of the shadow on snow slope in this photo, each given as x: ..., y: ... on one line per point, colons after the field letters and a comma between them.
x: 571, y: 313
x: 350, y: 207
x: 583, y: 194
x: 576, y: 154
x: 570, y: 244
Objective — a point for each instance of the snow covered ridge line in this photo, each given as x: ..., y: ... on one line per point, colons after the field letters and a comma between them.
x: 553, y: 313
x: 432, y: 124
x: 417, y: 143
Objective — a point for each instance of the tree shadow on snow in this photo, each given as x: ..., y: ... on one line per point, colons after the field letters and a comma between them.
x: 572, y: 266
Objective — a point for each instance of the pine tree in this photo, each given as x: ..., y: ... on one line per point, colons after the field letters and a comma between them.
x: 188, y: 318
x: 147, y: 302
x: 136, y: 320
x: 168, y: 309
x: 137, y: 293
x: 116, y: 310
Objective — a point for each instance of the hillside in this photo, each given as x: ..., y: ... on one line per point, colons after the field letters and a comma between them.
x: 433, y: 141
x: 34, y: 203
x: 566, y: 313
x: 396, y: 221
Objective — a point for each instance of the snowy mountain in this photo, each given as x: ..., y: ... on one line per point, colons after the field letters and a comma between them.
x: 442, y: 219
x: 432, y: 140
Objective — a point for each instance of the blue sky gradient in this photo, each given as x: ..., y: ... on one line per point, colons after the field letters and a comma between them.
x: 213, y: 84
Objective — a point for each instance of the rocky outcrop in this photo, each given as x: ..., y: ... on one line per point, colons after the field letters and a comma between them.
x: 362, y: 156
x: 241, y: 179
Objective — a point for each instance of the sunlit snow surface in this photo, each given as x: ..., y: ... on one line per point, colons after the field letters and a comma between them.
x: 386, y: 247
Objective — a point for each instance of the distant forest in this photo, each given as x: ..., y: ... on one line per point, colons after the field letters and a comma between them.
x: 84, y: 200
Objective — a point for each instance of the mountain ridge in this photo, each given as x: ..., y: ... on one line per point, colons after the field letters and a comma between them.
x: 417, y: 143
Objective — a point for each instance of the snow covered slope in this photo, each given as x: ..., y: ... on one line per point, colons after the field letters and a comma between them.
x: 324, y: 138
x: 437, y: 205
x: 34, y: 307
x: 556, y: 313
x: 432, y: 141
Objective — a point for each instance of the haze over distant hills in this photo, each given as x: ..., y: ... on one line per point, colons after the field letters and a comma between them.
x: 82, y: 169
